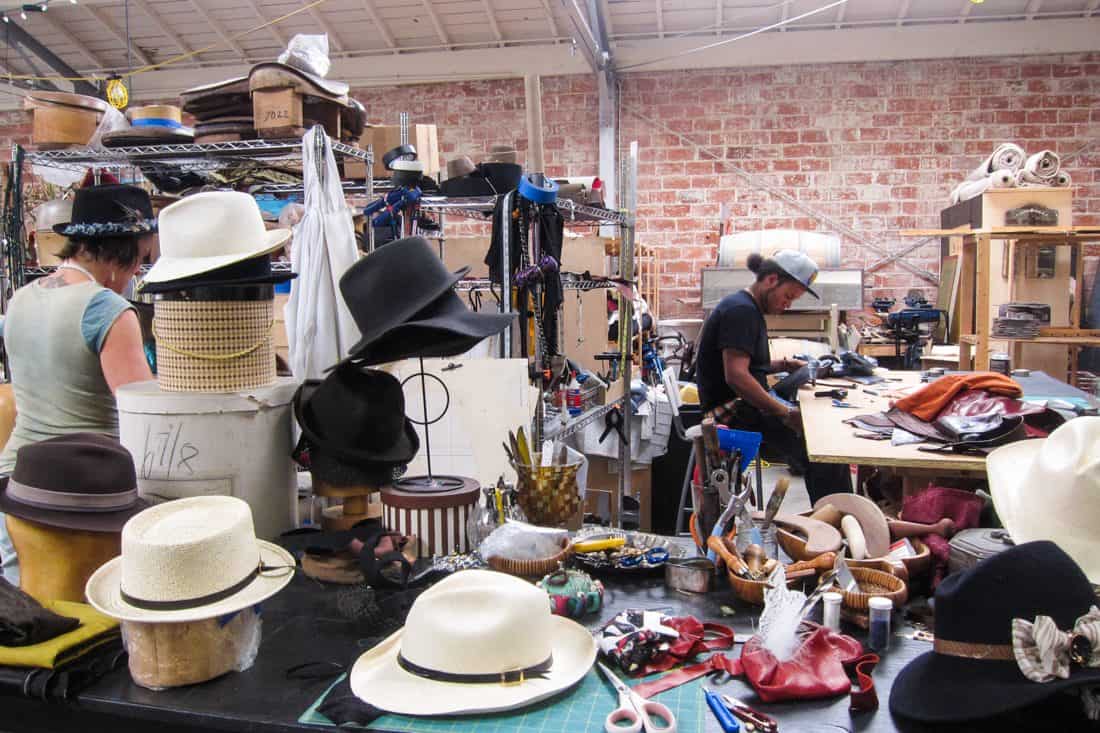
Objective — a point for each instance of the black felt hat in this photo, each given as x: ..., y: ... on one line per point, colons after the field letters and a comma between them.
x: 79, y: 481
x: 446, y: 327
x: 356, y: 415
x: 109, y: 211
x: 253, y: 271
x: 972, y: 672
x: 392, y: 284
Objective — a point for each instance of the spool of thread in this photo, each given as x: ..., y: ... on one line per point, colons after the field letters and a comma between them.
x: 878, y: 638
x: 831, y: 605
x: 1000, y: 363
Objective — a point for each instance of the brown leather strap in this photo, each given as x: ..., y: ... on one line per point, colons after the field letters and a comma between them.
x: 992, y: 652
x: 863, y: 696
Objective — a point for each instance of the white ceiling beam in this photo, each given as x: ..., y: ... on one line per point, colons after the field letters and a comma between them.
x: 161, y: 26
x: 434, y: 17
x: 660, y: 18
x: 493, y: 21
x: 903, y: 12
x: 840, y: 12
x: 220, y: 29
x: 550, y: 18
x: 1033, y: 8
x: 273, y: 30
x: 334, y: 40
x: 379, y: 24
x: 79, y: 45
x: 719, y: 12
x: 965, y: 12
x: 1090, y: 9
x: 104, y: 21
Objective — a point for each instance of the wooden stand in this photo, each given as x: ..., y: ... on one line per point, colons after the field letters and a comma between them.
x: 357, y: 505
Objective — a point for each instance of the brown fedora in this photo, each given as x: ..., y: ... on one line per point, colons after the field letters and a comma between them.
x: 78, y: 481
x: 460, y: 166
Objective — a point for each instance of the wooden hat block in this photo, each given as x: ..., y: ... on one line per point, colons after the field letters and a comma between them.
x: 358, y: 503
x: 54, y: 562
x: 166, y: 655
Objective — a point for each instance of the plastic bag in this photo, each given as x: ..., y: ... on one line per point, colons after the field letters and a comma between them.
x: 164, y: 655
x: 308, y: 53
x: 522, y: 541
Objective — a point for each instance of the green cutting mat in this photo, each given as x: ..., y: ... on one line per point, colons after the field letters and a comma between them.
x: 581, y: 710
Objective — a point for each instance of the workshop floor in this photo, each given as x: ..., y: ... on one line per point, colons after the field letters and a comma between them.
x: 797, y: 499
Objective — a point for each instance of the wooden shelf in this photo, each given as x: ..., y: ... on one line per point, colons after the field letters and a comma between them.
x: 972, y: 340
x: 1077, y: 232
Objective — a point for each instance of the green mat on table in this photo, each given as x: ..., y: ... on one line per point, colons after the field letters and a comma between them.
x: 581, y: 709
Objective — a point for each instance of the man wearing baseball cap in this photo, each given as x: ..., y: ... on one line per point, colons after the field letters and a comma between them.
x: 734, y: 361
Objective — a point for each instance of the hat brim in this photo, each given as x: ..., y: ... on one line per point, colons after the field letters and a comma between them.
x: 273, y: 75
x: 1007, y: 471
x: 147, y: 136
x: 934, y: 688
x: 377, y: 679
x: 402, y: 451
x: 172, y: 286
x: 176, y: 268
x: 103, y: 591
x: 88, y: 521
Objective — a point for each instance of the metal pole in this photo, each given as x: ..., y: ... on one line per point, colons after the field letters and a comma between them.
x: 626, y: 323
x: 532, y: 88
x: 506, y: 273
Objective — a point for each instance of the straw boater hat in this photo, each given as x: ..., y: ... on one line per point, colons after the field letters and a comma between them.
x: 154, y: 124
x: 476, y: 642
x: 1049, y: 489
x: 188, y: 560
x: 211, y: 230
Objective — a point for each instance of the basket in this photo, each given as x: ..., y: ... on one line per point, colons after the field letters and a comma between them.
x: 214, y: 346
x: 533, y: 568
x: 548, y: 495
x: 874, y: 583
x: 752, y: 591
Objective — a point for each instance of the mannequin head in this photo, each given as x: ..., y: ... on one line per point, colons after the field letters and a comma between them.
x: 54, y: 562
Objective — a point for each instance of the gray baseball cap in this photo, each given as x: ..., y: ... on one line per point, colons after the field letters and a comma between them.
x: 799, y: 266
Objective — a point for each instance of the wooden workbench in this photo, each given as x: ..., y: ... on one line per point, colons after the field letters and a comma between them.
x: 829, y: 440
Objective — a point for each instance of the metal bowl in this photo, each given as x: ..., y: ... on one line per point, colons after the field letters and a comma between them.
x: 690, y: 575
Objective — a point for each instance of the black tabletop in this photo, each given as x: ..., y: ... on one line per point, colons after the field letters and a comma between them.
x: 304, y: 623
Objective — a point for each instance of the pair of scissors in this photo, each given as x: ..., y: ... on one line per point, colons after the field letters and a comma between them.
x: 635, y: 711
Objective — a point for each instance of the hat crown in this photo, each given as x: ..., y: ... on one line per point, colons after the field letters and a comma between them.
x: 53, y: 212
x: 111, y: 204
x: 479, y: 622
x: 977, y: 606
x: 211, y: 224
x: 358, y: 408
x: 78, y: 463
x: 798, y: 265
x: 188, y: 548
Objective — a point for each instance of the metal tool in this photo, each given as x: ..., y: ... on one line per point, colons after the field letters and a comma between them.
x: 726, y: 720
x: 824, y: 583
x: 720, y: 482
x: 634, y: 710
x: 835, y: 392
x: 841, y: 403
x: 760, y: 722
x: 735, y: 507
x: 844, y: 576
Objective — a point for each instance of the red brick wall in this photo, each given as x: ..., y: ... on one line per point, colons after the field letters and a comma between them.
x: 875, y: 146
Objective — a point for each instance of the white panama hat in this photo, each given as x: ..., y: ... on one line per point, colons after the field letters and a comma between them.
x: 188, y: 560
x: 209, y: 230
x: 1049, y: 489
x: 464, y: 644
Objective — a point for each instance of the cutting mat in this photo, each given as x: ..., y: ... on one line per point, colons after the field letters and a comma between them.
x: 582, y: 709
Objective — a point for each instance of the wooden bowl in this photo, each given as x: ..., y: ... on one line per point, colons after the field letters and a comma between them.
x: 752, y: 591
x: 532, y: 568
x: 795, y: 546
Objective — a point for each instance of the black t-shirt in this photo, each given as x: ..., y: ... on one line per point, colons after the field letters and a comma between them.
x: 736, y: 323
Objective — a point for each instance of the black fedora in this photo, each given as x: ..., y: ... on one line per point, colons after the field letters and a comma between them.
x: 109, y: 211
x: 393, y: 283
x: 79, y: 481
x: 253, y: 271
x: 972, y: 672
x: 446, y: 327
x: 356, y: 415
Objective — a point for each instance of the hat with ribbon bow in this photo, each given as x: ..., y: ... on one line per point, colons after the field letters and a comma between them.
x: 1010, y: 632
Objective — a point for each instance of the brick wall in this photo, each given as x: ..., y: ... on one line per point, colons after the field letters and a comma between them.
x: 876, y: 147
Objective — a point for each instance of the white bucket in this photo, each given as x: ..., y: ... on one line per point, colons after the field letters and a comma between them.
x: 196, y: 443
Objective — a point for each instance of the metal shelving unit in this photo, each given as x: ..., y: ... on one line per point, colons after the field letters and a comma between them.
x: 478, y: 207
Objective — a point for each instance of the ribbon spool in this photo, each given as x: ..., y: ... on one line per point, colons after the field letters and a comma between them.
x: 538, y: 189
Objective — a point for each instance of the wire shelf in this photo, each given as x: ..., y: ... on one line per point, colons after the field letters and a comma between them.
x: 575, y: 424
x: 477, y: 207
x: 569, y: 281
x: 42, y: 270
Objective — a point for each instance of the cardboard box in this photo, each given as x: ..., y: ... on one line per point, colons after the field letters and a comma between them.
x: 387, y: 137
x: 276, y: 111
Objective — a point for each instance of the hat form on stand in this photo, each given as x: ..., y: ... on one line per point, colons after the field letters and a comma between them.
x: 1049, y: 489
x: 1004, y: 638
x: 501, y: 153
x: 82, y: 481
x: 109, y: 211
x: 211, y: 230
x: 476, y: 642
x: 189, y: 560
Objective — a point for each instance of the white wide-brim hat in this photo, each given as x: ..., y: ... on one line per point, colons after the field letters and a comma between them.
x: 1049, y: 489
x: 508, y: 620
x: 210, y: 230
x: 202, y: 546
x: 379, y: 680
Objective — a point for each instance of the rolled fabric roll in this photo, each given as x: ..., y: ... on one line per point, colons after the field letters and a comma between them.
x: 1007, y: 155
x: 1026, y: 179
x: 1044, y: 164
x: 1063, y: 180
x: 1003, y: 178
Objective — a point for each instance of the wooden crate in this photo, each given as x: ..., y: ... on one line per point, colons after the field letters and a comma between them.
x: 387, y: 137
